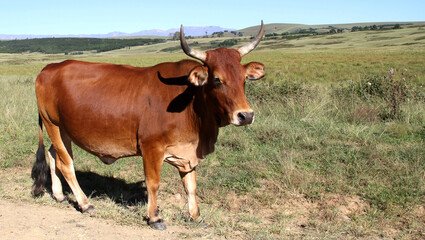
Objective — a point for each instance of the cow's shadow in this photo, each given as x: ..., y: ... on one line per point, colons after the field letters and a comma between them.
x: 102, y: 187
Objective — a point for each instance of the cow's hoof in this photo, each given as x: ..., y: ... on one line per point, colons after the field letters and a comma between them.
x: 158, y: 225
x: 90, y: 210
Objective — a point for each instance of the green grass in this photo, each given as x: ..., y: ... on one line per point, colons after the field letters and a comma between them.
x: 18, y: 108
x: 324, y: 158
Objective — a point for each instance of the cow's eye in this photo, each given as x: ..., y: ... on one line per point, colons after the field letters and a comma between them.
x: 216, y: 80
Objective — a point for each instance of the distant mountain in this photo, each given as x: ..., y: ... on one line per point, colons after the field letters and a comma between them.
x: 189, y: 31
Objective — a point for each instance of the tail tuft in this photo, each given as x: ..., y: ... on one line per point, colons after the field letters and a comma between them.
x: 40, y: 170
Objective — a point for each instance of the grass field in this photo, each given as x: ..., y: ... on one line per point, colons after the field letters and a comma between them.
x: 337, y: 149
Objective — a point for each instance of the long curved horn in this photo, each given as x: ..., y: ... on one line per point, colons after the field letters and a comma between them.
x: 250, y: 46
x: 188, y: 50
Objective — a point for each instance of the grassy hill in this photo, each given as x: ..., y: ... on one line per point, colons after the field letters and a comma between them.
x: 409, y: 36
x: 412, y: 36
x: 291, y: 28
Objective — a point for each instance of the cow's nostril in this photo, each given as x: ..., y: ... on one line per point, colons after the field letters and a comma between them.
x: 241, y: 116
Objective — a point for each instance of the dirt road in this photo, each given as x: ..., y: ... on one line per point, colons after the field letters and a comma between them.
x: 20, y: 220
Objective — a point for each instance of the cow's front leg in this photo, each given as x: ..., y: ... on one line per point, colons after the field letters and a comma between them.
x: 152, y: 163
x: 189, y: 182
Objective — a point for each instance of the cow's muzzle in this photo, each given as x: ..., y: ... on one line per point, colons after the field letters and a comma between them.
x: 243, y: 118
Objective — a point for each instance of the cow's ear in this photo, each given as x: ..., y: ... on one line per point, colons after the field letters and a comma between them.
x: 198, y: 76
x: 254, y: 70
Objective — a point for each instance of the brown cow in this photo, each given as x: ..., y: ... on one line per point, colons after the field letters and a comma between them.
x: 168, y: 112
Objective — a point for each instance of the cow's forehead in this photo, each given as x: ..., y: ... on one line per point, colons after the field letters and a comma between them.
x: 224, y: 62
x: 222, y: 56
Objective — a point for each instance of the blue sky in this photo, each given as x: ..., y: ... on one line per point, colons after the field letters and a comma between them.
x: 104, y: 16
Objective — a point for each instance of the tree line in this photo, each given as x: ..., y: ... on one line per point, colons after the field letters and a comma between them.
x: 375, y: 27
x: 71, y: 45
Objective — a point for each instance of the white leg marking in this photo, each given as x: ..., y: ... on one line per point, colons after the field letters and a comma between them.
x: 56, y: 183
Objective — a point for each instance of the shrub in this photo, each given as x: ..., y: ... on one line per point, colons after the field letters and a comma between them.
x: 390, y: 90
x: 228, y: 43
x: 397, y: 94
x: 397, y: 26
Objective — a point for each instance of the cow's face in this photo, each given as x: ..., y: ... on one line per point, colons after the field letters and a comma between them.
x: 223, y: 78
x: 226, y: 86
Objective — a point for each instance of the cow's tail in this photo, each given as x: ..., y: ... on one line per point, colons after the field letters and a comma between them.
x: 40, y: 170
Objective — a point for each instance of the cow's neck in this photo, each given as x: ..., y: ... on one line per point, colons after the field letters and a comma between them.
x: 207, y: 124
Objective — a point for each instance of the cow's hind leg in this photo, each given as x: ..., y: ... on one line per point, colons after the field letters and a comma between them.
x: 152, y: 163
x: 55, y: 172
x: 65, y: 165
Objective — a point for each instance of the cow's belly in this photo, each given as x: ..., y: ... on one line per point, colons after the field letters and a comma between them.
x: 107, y: 147
x: 103, y: 136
